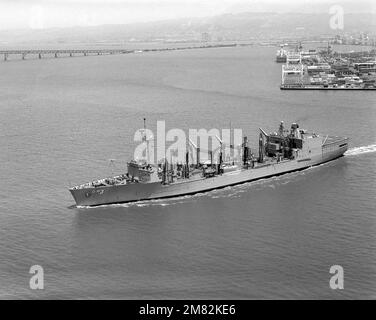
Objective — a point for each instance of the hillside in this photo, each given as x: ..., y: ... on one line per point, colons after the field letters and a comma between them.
x: 241, y: 26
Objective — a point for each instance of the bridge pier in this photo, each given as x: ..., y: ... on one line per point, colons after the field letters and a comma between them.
x: 85, y: 54
x: 5, y: 56
x: 56, y: 55
x: 23, y: 56
x: 70, y: 54
x: 39, y: 55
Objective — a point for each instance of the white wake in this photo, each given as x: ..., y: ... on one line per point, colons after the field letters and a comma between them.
x: 360, y: 150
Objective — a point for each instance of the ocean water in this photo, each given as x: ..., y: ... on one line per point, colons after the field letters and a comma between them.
x: 61, y: 120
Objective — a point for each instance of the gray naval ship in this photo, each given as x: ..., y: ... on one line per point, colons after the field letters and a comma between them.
x: 279, y: 153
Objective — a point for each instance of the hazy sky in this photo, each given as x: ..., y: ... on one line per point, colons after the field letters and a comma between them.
x: 38, y: 14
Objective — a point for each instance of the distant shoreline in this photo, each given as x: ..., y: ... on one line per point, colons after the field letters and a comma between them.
x: 165, y: 45
x: 75, y: 50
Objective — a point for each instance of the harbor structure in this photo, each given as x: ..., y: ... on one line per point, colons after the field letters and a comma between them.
x: 293, y: 70
x: 325, y: 69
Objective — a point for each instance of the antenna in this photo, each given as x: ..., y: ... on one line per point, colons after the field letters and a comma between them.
x: 146, y: 141
x: 232, y: 147
x: 230, y: 135
x: 112, y: 165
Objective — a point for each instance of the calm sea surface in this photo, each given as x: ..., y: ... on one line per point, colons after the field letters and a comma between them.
x: 61, y: 120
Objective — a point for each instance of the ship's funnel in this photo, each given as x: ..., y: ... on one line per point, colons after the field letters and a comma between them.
x: 245, y: 150
x: 261, y: 148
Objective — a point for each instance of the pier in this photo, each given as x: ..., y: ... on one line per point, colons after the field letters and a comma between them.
x: 60, y: 53
x: 320, y: 87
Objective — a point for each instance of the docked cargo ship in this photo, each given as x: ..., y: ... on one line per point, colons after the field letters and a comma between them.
x: 279, y: 152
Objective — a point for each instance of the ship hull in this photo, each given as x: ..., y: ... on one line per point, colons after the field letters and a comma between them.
x: 156, y: 190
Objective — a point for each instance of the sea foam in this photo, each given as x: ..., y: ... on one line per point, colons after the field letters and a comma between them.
x: 360, y: 150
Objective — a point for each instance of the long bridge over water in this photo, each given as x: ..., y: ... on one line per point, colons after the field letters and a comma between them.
x: 40, y: 53
x: 61, y: 52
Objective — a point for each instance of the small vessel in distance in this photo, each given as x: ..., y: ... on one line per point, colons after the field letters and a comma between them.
x: 279, y: 153
x: 281, y: 55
